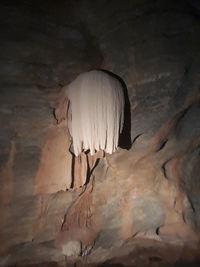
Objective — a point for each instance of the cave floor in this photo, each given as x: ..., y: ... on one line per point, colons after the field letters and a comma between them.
x: 137, y: 252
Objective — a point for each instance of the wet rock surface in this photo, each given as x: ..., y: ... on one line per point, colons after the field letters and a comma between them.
x: 143, y: 203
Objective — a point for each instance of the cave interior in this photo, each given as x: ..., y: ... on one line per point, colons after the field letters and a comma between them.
x: 138, y: 206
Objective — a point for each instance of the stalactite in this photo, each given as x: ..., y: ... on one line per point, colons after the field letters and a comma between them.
x: 93, y: 106
x: 97, y: 106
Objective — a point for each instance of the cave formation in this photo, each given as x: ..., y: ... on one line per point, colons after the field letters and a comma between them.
x: 92, y: 108
x: 136, y: 203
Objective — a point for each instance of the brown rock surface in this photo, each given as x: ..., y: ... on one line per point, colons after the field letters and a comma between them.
x: 143, y: 204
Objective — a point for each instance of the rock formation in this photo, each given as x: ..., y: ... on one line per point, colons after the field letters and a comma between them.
x: 141, y: 206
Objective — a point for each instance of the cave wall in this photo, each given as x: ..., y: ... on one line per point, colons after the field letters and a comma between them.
x: 152, y: 189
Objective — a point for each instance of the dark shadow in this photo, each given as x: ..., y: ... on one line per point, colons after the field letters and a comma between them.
x: 73, y: 165
x: 194, y: 7
x: 181, y: 263
x: 125, y: 136
x: 105, y: 264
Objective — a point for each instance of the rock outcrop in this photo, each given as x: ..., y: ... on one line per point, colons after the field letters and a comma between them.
x: 142, y: 205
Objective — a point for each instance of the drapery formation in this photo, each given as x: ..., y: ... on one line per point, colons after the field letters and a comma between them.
x: 93, y: 106
x: 97, y: 110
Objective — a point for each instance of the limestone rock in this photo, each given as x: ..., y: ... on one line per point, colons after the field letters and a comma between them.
x: 154, y: 187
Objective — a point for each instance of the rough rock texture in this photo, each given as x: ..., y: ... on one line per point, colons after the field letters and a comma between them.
x: 141, y: 206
